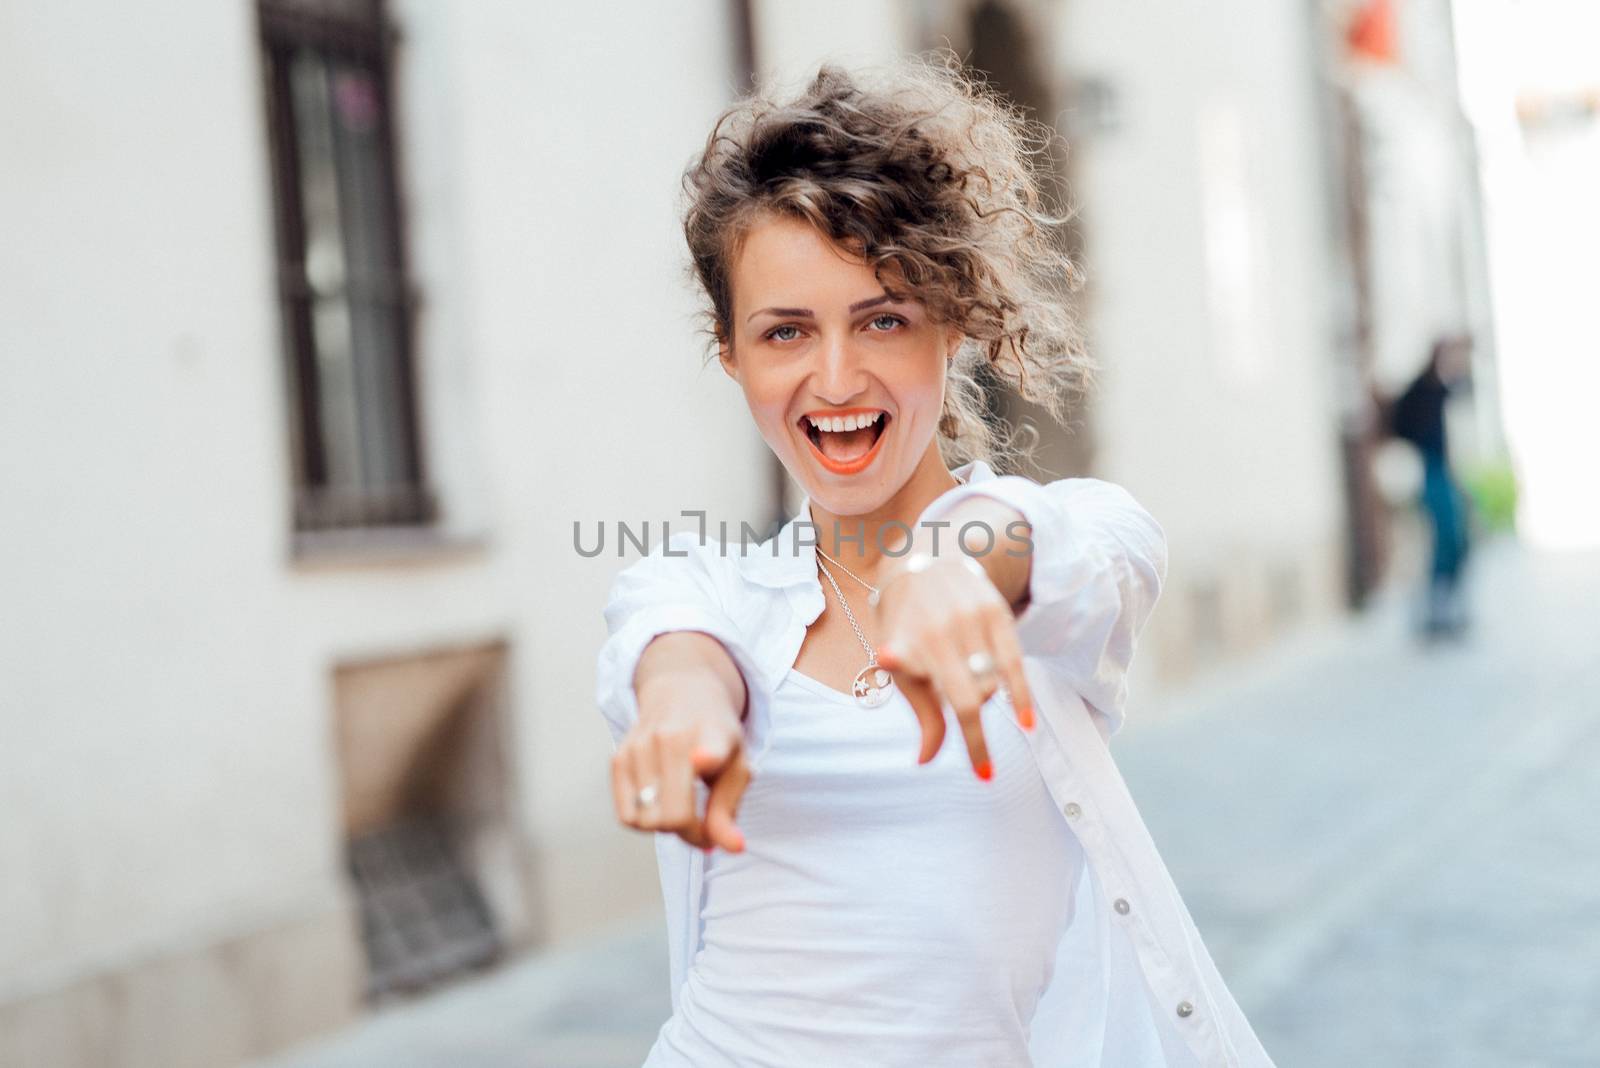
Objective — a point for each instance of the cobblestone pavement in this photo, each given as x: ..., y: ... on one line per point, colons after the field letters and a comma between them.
x: 1399, y: 867
x: 1412, y: 874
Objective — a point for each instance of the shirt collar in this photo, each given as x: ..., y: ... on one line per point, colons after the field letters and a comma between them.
x: 780, y: 562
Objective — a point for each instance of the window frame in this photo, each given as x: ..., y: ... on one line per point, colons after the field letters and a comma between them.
x: 362, y: 35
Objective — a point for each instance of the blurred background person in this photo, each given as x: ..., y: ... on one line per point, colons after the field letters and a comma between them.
x: 1418, y: 416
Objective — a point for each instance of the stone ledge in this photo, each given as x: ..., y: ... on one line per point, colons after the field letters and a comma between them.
x: 228, y: 1002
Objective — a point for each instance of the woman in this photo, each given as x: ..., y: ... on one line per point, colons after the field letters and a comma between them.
x: 846, y: 884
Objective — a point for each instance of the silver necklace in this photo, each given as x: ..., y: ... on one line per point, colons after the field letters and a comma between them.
x: 846, y: 570
x: 873, y: 684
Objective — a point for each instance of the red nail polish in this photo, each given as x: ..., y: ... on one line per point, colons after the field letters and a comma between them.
x: 1027, y: 717
x: 985, y: 771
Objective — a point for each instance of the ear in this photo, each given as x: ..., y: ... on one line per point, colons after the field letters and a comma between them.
x: 953, y: 339
x: 725, y: 357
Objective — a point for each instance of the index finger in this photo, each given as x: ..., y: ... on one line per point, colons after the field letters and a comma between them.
x: 1008, y: 662
x: 911, y: 677
x: 924, y: 700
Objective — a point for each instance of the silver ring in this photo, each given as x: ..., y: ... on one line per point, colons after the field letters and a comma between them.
x: 980, y: 663
x: 647, y: 796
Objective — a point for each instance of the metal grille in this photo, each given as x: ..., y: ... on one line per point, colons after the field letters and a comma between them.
x: 423, y: 918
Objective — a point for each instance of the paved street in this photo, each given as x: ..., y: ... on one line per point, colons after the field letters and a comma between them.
x: 1400, y: 870
x: 1411, y: 875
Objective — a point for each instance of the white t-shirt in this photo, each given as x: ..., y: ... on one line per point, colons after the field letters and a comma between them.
x: 883, y: 912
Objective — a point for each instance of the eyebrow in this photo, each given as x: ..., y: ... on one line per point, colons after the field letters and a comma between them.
x: 807, y: 313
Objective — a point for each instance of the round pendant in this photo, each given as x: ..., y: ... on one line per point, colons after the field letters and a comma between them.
x: 873, y: 686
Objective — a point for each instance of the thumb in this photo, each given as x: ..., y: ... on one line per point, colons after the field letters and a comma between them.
x: 722, y: 805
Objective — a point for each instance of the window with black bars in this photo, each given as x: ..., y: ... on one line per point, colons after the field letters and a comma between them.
x: 347, y: 303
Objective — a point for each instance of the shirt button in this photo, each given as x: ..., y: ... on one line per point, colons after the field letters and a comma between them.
x: 1072, y: 810
x: 1185, y: 1009
x: 1122, y: 906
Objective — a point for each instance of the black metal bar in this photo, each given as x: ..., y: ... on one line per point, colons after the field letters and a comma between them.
x: 405, y: 322
x: 290, y: 224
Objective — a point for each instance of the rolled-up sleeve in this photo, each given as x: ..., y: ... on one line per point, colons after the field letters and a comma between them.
x: 1099, y: 562
x: 659, y: 594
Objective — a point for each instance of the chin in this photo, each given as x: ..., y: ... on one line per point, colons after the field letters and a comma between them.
x: 848, y: 500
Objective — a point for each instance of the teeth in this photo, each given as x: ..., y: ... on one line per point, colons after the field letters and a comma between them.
x: 839, y: 423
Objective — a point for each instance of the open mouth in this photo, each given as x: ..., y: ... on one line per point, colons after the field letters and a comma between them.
x: 846, y: 441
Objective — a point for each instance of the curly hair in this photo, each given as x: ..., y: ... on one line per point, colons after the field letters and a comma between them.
x: 931, y: 178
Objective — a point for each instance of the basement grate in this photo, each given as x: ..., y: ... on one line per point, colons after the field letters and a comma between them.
x: 423, y: 918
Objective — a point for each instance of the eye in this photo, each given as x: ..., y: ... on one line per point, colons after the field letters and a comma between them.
x: 772, y: 335
x: 892, y: 320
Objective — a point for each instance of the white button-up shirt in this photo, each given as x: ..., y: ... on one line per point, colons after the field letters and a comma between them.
x: 1133, y: 983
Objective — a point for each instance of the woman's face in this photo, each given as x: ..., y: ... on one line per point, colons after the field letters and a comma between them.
x: 817, y: 343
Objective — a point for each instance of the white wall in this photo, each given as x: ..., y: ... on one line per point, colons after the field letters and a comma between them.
x: 1206, y: 273
x: 792, y: 40
x: 1418, y: 209
x: 163, y: 772
x: 166, y: 773
x: 573, y: 134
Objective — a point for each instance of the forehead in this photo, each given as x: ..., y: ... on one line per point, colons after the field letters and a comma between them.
x: 783, y: 259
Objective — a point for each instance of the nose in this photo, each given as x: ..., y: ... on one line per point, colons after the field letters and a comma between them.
x: 839, y: 375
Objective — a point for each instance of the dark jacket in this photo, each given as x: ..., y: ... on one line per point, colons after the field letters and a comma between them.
x: 1418, y: 413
